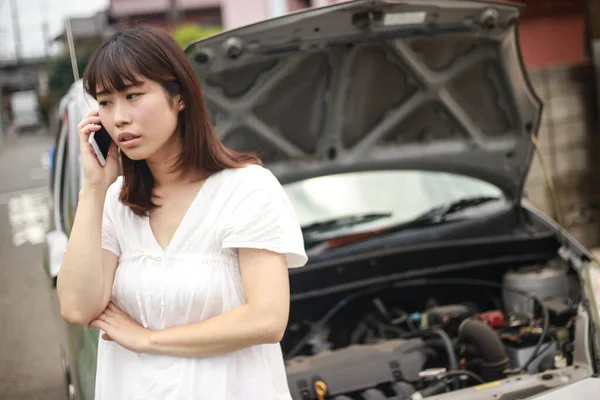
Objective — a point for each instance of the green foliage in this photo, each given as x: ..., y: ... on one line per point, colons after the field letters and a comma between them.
x: 60, y: 72
x: 186, y: 34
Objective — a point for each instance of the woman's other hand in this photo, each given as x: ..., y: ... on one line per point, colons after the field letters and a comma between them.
x: 95, y: 175
x: 121, y: 328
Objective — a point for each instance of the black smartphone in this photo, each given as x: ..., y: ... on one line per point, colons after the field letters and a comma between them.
x: 100, y: 141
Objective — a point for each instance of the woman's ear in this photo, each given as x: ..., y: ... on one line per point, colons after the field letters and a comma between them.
x: 178, y: 100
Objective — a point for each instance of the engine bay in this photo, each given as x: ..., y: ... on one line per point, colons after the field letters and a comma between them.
x: 414, y: 339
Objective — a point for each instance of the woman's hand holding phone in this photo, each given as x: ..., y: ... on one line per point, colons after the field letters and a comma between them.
x: 95, y: 175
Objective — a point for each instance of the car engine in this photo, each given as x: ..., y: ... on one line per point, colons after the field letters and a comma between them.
x: 415, y: 340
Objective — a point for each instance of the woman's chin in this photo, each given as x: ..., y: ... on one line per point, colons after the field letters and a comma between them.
x: 135, y: 154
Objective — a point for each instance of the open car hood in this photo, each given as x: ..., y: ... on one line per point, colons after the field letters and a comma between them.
x: 363, y: 85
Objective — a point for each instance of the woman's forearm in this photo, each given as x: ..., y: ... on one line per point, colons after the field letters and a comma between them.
x: 234, y: 330
x: 80, y: 278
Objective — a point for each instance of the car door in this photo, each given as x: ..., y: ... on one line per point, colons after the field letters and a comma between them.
x: 82, y: 343
x: 78, y: 345
x: 56, y: 242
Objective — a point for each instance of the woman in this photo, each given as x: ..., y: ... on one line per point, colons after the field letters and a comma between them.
x: 181, y: 262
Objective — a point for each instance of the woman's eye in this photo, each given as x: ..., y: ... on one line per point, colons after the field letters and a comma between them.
x: 103, y: 103
x: 132, y: 96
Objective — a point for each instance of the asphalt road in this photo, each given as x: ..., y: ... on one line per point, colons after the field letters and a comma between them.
x: 30, y: 366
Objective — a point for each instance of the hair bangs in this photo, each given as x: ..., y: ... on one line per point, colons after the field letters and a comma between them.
x: 113, y: 69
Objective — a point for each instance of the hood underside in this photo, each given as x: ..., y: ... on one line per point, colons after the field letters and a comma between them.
x: 364, y: 85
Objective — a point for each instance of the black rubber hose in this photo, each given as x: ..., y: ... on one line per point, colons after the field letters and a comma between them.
x: 489, y: 346
x: 437, y: 388
x: 452, y: 360
x: 461, y: 373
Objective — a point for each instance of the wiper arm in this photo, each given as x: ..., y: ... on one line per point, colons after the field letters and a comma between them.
x: 439, y: 214
x: 343, y: 222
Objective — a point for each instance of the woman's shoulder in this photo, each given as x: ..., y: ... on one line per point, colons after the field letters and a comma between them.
x: 249, y: 170
x: 248, y: 181
x: 251, y: 175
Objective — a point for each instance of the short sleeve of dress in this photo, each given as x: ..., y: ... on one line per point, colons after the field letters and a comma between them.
x: 263, y: 217
x: 109, y: 232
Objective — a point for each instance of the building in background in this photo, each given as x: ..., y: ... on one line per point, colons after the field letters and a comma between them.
x: 123, y: 13
x: 237, y: 13
x: 88, y: 30
x: 556, y: 46
x: 553, y: 33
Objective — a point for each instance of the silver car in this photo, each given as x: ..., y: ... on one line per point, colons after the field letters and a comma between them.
x: 402, y: 132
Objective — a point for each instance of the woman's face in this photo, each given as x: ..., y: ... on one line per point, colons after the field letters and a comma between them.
x: 141, y: 119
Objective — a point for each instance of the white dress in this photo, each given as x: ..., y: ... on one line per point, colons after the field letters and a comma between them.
x: 196, y: 277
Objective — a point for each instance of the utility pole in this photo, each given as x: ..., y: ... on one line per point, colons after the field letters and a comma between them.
x: 174, y: 15
x: 3, y: 50
x: 72, y: 49
x: 45, y: 33
x: 2, y: 126
x: 16, y: 29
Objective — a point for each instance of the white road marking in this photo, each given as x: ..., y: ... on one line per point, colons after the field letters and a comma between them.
x: 28, y: 211
x: 28, y: 216
x: 5, y: 197
x: 45, y: 160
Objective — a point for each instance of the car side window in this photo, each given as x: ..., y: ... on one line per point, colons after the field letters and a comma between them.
x: 65, y: 189
x: 53, y: 159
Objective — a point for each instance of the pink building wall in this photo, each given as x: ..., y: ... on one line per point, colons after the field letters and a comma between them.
x: 295, y: 5
x: 236, y: 13
x: 124, y: 8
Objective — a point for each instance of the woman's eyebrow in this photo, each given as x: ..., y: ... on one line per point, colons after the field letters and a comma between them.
x: 129, y: 86
x: 133, y: 85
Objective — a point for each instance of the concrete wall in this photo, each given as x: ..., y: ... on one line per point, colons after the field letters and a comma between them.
x: 570, y: 146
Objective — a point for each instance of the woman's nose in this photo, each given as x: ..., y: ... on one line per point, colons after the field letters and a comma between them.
x: 121, y: 116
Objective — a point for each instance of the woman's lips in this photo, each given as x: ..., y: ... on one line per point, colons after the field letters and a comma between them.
x: 128, y: 139
x: 129, y: 143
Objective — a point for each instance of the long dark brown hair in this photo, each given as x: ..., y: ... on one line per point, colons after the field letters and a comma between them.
x: 145, y: 52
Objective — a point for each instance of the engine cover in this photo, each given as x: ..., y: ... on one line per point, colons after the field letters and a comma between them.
x: 356, y: 368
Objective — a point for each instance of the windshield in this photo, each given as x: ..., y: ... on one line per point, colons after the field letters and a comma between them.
x: 404, y: 194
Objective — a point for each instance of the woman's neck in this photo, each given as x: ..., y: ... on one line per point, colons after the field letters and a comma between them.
x: 161, y: 166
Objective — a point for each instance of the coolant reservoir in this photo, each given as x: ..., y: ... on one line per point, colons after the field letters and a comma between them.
x: 546, y: 281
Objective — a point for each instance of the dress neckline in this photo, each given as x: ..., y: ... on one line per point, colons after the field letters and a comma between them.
x: 173, y: 242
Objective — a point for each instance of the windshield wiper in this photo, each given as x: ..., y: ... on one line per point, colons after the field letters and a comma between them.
x: 439, y: 214
x: 343, y: 222
x: 431, y: 217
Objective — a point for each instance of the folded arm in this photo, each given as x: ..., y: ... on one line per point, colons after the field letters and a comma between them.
x: 262, y: 319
